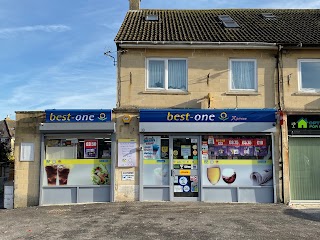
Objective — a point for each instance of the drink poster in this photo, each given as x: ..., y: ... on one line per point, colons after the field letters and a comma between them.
x: 90, y: 148
x: 151, y: 147
x: 238, y: 161
x: 155, y: 160
x: 72, y: 172
x: 127, y: 153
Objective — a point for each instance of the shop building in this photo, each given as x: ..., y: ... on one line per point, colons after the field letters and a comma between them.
x: 64, y: 156
x: 300, y: 104
x: 196, y: 67
x: 208, y: 155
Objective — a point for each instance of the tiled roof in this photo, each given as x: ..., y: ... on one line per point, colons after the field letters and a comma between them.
x: 291, y: 26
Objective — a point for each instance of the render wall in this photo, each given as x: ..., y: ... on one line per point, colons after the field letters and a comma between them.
x: 293, y: 100
x: 132, y: 76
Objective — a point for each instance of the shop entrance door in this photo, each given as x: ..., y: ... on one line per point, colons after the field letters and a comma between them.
x: 184, y: 168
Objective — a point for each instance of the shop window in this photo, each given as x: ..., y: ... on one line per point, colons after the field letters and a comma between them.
x: 237, y: 160
x: 309, y: 70
x: 243, y: 75
x: 77, y: 162
x: 156, y: 160
x: 167, y: 74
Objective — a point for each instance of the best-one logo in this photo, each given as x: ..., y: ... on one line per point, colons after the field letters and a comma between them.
x: 177, y: 117
x: 68, y: 117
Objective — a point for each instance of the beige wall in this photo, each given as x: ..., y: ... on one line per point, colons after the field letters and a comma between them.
x: 293, y: 100
x: 27, y: 174
x: 127, y: 190
x: 200, y: 64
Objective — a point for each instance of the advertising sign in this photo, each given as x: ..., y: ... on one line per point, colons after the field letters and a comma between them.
x: 238, y: 161
x: 75, y: 115
x: 155, y: 160
x: 90, y: 148
x: 303, y: 124
x: 76, y: 172
x: 151, y: 147
x: 209, y: 115
x: 127, y: 153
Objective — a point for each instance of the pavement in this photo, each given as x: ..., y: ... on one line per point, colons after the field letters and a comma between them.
x: 161, y: 220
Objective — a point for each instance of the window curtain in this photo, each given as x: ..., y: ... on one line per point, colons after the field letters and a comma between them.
x: 243, y: 75
x: 156, y: 74
x: 177, y: 74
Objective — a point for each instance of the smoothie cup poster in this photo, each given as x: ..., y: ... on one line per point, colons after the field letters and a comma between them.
x: 151, y: 147
x: 90, y: 148
x: 76, y: 172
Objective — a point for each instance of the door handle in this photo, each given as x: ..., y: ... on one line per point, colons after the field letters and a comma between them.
x: 172, y: 173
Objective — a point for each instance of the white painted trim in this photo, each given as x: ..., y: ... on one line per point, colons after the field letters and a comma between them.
x: 166, y: 87
x: 305, y: 90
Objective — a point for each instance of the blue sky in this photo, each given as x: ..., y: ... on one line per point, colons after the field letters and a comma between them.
x: 52, y: 50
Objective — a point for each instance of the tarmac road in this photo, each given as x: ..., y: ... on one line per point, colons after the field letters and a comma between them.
x: 160, y: 220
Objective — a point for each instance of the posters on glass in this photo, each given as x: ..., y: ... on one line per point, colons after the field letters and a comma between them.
x: 127, y: 153
x: 90, y: 148
x: 236, y: 161
x: 151, y: 147
x: 76, y: 172
x: 155, y: 161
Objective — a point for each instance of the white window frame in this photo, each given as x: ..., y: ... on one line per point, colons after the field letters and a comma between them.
x: 166, y: 88
x: 300, y: 89
x: 255, y: 89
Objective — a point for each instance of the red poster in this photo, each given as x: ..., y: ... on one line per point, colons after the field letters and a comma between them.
x: 260, y: 142
x: 90, y: 148
x: 247, y: 142
x: 220, y: 142
x: 233, y: 142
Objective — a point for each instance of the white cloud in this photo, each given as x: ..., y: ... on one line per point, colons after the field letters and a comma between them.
x: 7, y: 32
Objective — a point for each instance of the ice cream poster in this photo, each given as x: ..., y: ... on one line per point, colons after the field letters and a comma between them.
x: 151, y: 147
x: 127, y: 153
x: 90, y: 148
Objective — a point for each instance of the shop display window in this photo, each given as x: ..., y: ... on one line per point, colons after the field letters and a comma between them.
x: 77, y: 162
x: 237, y: 161
x: 156, y: 160
x: 236, y: 147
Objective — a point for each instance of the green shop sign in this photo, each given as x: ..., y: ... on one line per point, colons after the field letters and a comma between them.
x: 303, y: 124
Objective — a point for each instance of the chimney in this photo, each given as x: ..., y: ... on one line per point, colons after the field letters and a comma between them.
x: 134, y: 4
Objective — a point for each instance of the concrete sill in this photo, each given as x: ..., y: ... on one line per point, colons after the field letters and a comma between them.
x: 242, y: 93
x: 166, y: 92
x: 306, y: 94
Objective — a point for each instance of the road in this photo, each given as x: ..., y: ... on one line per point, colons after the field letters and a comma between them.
x: 160, y: 220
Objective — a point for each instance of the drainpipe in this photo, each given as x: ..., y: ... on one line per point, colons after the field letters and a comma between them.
x: 280, y: 106
x: 118, y: 76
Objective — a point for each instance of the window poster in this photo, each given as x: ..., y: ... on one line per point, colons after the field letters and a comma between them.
x: 90, y: 148
x: 238, y: 161
x: 151, y: 147
x: 155, y: 160
x: 127, y: 156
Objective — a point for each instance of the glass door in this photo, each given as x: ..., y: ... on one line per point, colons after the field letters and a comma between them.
x: 185, y: 168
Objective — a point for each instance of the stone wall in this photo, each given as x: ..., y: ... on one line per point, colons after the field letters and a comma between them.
x: 27, y: 174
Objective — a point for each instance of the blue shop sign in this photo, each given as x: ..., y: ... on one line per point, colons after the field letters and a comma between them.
x: 208, y: 115
x: 86, y: 115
